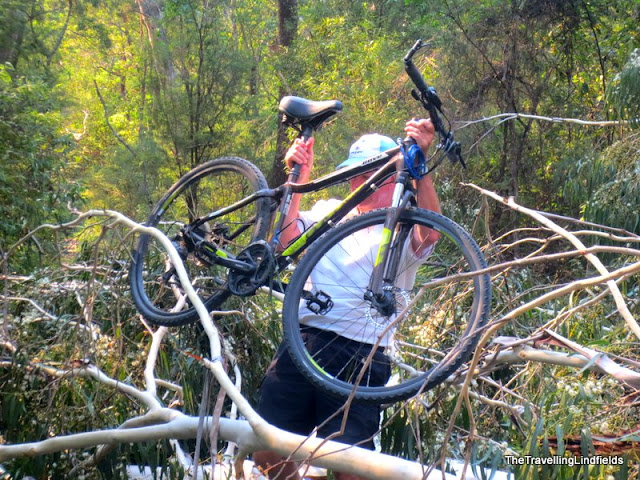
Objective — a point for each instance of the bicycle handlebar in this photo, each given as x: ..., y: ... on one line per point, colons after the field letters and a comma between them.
x: 412, y: 70
x: 429, y: 99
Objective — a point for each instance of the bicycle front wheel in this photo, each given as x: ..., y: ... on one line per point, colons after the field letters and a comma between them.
x: 431, y: 330
x: 155, y: 285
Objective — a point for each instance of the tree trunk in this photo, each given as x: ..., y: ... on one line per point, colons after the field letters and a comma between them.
x: 11, y: 45
x: 151, y: 16
x: 287, y: 32
x: 287, y: 22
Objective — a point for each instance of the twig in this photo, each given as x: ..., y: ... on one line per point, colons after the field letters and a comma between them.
x: 514, y: 116
x: 33, y: 304
x: 213, y: 435
x: 106, y: 119
x: 595, y: 261
x: 204, y: 401
x: 472, y: 433
x: 529, y: 261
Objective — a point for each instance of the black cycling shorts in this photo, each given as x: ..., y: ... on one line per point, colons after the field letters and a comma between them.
x: 290, y: 402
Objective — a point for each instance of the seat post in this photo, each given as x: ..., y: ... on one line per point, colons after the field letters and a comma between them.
x: 306, y: 133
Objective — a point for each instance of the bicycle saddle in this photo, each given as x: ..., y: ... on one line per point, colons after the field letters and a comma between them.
x: 300, y: 111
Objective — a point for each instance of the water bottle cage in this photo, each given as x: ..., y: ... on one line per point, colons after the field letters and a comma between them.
x: 414, y: 161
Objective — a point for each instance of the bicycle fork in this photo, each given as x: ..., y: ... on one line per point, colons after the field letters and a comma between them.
x: 385, y: 268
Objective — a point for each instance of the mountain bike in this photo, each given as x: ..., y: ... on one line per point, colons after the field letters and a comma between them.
x: 419, y: 315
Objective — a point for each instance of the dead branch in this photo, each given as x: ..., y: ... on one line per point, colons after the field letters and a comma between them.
x: 111, y: 127
x: 251, y: 435
x: 595, y: 261
x: 513, y: 116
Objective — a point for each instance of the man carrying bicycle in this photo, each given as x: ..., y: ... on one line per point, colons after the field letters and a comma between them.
x: 287, y: 399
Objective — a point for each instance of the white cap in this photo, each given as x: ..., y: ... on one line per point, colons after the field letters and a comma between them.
x: 367, y: 146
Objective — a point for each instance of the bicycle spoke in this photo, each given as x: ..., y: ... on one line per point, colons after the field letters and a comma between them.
x: 421, y: 345
x: 207, y: 189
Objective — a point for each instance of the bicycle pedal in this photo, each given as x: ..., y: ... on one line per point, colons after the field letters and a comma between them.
x: 320, y: 303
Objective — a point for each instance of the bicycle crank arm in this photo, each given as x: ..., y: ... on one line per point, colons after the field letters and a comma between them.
x: 213, y: 255
x: 220, y: 257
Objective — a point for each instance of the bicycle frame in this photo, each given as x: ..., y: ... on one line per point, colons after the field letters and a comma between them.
x: 385, y: 166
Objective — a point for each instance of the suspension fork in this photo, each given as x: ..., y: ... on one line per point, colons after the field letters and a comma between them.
x: 386, y: 262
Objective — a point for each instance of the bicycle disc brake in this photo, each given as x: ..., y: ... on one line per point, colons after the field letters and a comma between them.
x: 378, y: 314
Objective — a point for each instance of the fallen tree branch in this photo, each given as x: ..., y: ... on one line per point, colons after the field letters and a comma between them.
x: 513, y: 116
x: 333, y: 454
x: 582, y: 359
x: 595, y: 261
x: 599, y: 359
x: 250, y: 435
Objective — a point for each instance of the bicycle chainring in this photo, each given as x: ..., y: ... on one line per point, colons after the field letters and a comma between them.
x: 260, y: 256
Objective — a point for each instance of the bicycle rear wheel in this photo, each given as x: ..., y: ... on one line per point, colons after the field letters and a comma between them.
x: 155, y: 286
x: 427, y: 338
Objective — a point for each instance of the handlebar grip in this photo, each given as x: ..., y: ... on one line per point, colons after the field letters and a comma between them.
x: 416, y: 46
x: 416, y: 77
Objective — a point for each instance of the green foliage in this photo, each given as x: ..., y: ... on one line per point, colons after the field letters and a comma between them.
x: 33, y: 186
x: 606, y: 187
x: 624, y: 93
x: 124, y: 104
x: 616, y: 200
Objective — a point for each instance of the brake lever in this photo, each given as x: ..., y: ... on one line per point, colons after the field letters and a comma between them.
x: 453, y: 150
x: 458, y: 155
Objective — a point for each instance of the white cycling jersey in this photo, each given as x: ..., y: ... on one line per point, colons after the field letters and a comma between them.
x: 344, y: 274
